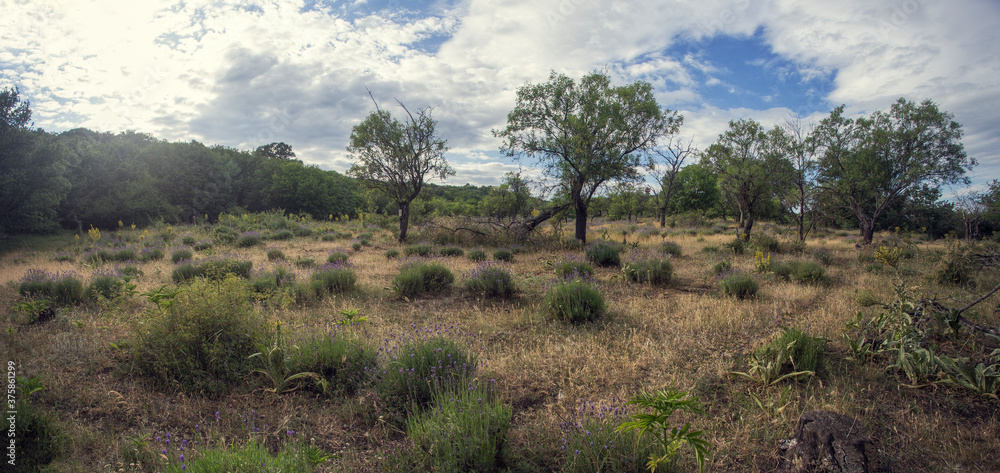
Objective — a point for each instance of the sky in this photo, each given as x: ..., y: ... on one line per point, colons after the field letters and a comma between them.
x: 247, y: 73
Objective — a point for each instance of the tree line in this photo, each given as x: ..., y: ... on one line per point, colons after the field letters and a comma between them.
x: 605, y: 150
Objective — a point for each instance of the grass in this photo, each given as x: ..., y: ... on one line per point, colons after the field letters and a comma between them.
x: 685, y: 334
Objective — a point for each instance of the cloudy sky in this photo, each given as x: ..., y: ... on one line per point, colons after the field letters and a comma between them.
x: 248, y: 73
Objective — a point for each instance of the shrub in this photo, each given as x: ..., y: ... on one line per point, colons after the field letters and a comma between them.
x: 649, y: 271
x: 268, y: 282
x: 739, y: 285
x: 204, y: 340
x: 477, y: 255
x: 328, y: 237
x: 421, y: 368
x: 344, y: 362
x: 806, y: 272
x: 574, y: 301
x: 154, y: 253
x: 504, y: 255
x: 491, y: 281
x: 451, y: 251
x: 248, y: 239
x: 738, y: 246
x: 465, y: 430
x: 574, y: 270
x: 337, y: 257
x: 605, y: 254
x: 303, y: 231
x: 38, y: 436
x: 356, y: 246
x: 418, y: 250
x: 671, y: 248
x: 188, y: 240
x: 202, y: 245
x: 275, y: 254
x: 391, y: 254
x: 765, y: 242
x: 107, y: 284
x: 305, y: 262
x: 592, y: 442
x: 957, y: 267
x: 722, y: 267
x: 216, y: 269
x: 823, y: 255
x: 225, y: 235
x: 181, y: 254
x: 794, y: 351
x: 282, y: 235
x: 63, y: 289
x: 98, y: 256
x: 418, y: 278
x: 333, y: 278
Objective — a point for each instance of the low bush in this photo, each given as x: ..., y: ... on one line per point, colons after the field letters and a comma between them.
x: 346, y: 363
x: 574, y: 270
x: 491, y: 281
x: 107, y: 284
x: 737, y: 246
x: 795, y: 351
x: 38, y: 437
x: 248, y: 239
x: 391, y: 254
x: 417, y: 278
x: 418, y: 250
x: 216, y: 269
x: 225, y: 235
x: 477, y: 255
x: 202, y: 245
x: 356, y: 246
x: 722, y: 267
x: 805, y: 272
x: 421, y: 368
x: 337, y: 257
x: 303, y: 231
x: 451, y: 251
x: 765, y: 242
x: 574, y: 301
x: 181, y: 254
x: 203, y: 342
x: 188, y: 240
x: 739, y: 285
x: 63, y: 289
x: 671, y: 248
x: 305, y: 262
x: 281, y: 235
x: 153, y: 253
x: 648, y: 271
x: 275, y: 254
x: 333, y: 278
x: 605, y: 254
x: 504, y: 255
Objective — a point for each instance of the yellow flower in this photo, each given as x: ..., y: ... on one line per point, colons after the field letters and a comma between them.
x: 120, y: 224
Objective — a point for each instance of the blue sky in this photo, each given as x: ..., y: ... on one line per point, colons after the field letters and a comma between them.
x: 247, y: 73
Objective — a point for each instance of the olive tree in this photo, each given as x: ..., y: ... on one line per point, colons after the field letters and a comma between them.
x: 395, y: 158
x: 585, y: 134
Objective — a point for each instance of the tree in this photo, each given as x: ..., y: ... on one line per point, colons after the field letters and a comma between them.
x: 625, y: 200
x: 585, y: 134
x: 395, y: 158
x: 509, y: 200
x: 871, y: 162
x: 673, y: 156
x: 696, y: 189
x: 750, y: 166
x: 799, y: 152
x: 277, y: 150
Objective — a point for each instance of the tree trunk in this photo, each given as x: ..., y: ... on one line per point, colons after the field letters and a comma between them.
x: 404, y: 220
x: 663, y: 217
x: 747, y: 226
x: 581, y: 219
x: 867, y: 229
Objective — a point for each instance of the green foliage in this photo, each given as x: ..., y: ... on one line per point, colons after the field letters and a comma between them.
x: 592, y: 442
x: 203, y: 341
x: 421, y: 368
x: 957, y: 267
x: 281, y: 235
x: 465, y: 430
x: 38, y: 436
x: 181, y: 254
x: 765, y: 242
x: 451, y: 251
x: 337, y: 257
x: 332, y: 279
x: 391, y: 253
x: 504, y: 255
x: 739, y: 285
x: 792, y: 355
x: 574, y: 270
x: 305, y: 262
x: 648, y: 271
x: 671, y: 248
x: 63, y: 289
x: 419, y: 250
x: 491, y: 281
x: 477, y: 255
x: 344, y: 362
x: 657, y: 424
x: 225, y: 235
x: 356, y: 246
x: 248, y: 239
x: 722, y: 267
x: 215, y: 269
x: 107, y: 285
x: 417, y: 278
x: 252, y: 457
x: 274, y: 254
x: 574, y: 301
x: 605, y: 254
x: 277, y: 366
x: 738, y: 246
x: 805, y: 272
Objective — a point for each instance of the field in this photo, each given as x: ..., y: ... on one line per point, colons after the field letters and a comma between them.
x: 110, y: 414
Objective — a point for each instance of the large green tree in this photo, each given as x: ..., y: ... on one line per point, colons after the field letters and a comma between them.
x: 872, y: 162
x: 395, y: 158
x: 585, y: 134
x: 751, y: 167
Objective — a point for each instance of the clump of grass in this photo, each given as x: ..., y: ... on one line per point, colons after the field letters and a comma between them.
x: 281, y: 235
x: 275, y: 254
x: 491, y: 281
x: 671, y: 248
x: 269, y: 282
x: 305, y: 262
x: 648, y: 271
x: 739, y: 285
x: 477, y: 255
x: 504, y: 255
x: 805, y: 272
x: 574, y: 270
x: 418, y: 277
x: 574, y: 301
x: 451, y: 251
x: 356, y: 246
x: 248, y: 239
x: 303, y: 231
x: 737, y: 246
x: 333, y: 278
x: 38, y: 437
x: 337, y: 257
x: 203, y: 342
x: 202, y: 245
x: 591, y: 441
x: 765, y: 242
x: 346, y: 363
x: 391, y: 253
x: 181, y: 254
x: 188, y: 240
x: 419, y: 250
x: 153, y: 253
x: 605, y: 254
x: 224, y: 235
x: 107, y: 284
x: 420, y: 368
x: 63, y: 289
x: 216, y: 268
x: 722, y: 267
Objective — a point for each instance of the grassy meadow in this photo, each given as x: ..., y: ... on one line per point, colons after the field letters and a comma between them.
x: 536, y: 389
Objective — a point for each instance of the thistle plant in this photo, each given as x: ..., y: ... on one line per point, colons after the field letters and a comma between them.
x: 670, y: 439
x: 277, y: 364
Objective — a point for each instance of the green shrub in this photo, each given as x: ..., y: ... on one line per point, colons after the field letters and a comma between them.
x: 504, y: 255
x: 957, y: 266
x: 823, y: 255
x: 104, y: 284
x: 421, y: 278
x: 303, y: 231
x: 154, y: 253
x: 356, y: 246
x: 605, y: 254
x: 63, y: 289
x: 181, y: 254
x: 710, y: 249
x: 333, y: 278
x: 269, y: 282
x: 275, y: 254
x: 38, y: 437
x: 795, y: 351
x: 204, y: 340
x: 592, y: 442
x: 574, y: 270
x: 671, y: 248
x: 737, y: 246
x: 305, y: 262
x: 225, y: 235
x: 649, y: 271
x: 421, y: 368
x: 451, y: 251
x: 337, y: 257
x: 282, y: 235
x: 765, y: 242
x: 216, y: 269
x: 346, y: 363
x: 391, y: 254
x: 418, y: 250
x: 328, y: 237
x: 491, y: 281
x: 805, y: 272
x: 125, y: 254
x: 251, y: 457
x: 574, y: 301
x: 98, y: 256
x: 739, y: 285
x: 188, y: 240
x: 465, y: 430
x: 477, y: 255
x: 202, y: 245
x: 722, y: 267
x: 248, y: 239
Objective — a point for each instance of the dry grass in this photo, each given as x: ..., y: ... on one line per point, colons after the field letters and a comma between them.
x: 686, y: 335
